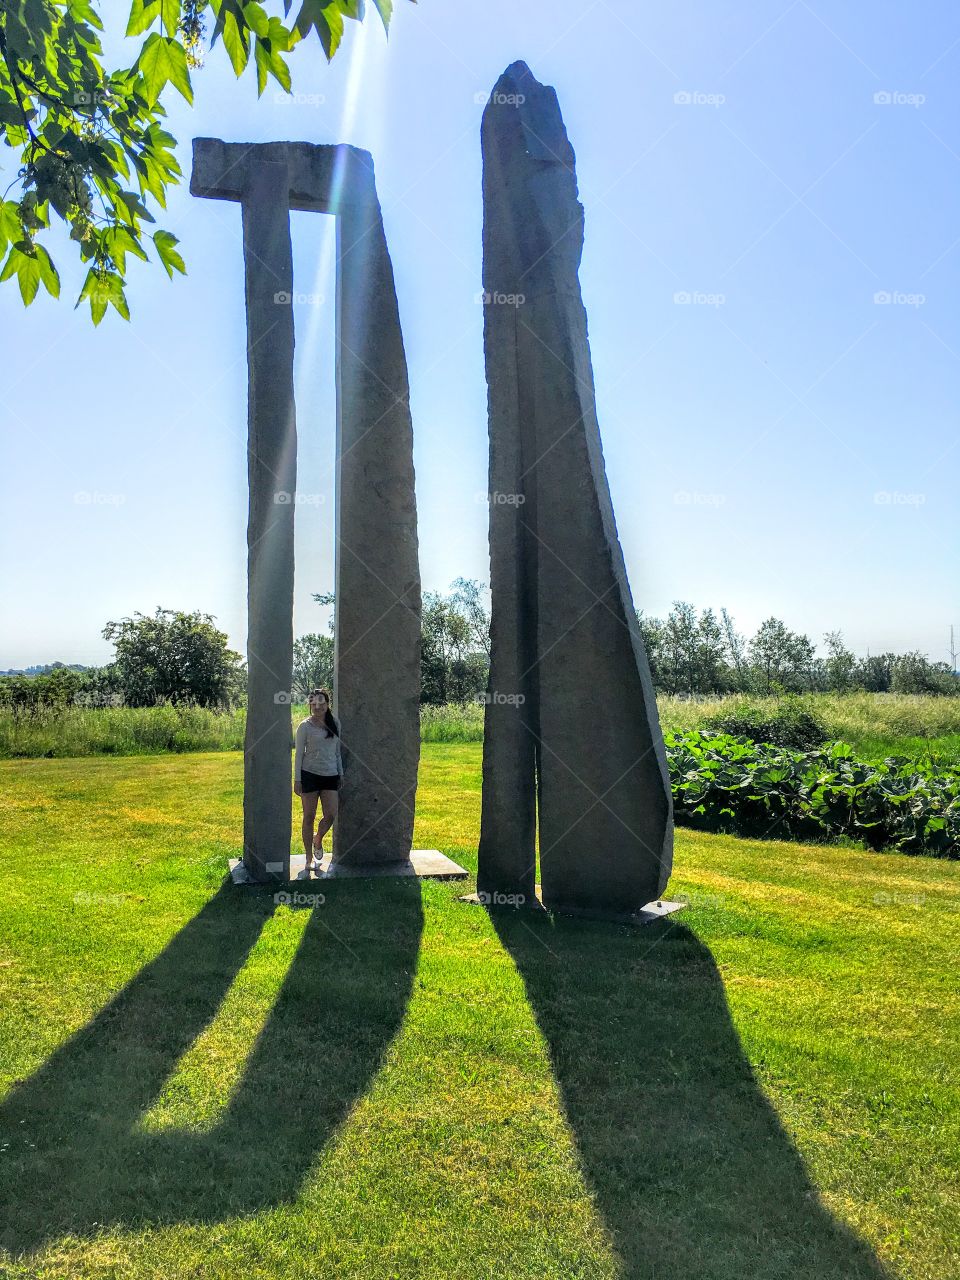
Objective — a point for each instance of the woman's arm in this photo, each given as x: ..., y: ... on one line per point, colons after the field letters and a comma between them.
x: 339, y: 756
x: 301, y: 746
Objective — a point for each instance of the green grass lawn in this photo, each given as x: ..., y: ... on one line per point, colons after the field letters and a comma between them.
x: 197, y: 1083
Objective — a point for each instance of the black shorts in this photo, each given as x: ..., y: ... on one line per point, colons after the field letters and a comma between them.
x: 310, y: 782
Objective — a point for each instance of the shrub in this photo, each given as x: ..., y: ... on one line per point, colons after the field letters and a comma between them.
x: 789, y: 723
x: 726, y: 783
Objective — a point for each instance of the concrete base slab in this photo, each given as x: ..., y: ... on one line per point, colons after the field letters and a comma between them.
x: 427, y: 864
x: 646, y: 915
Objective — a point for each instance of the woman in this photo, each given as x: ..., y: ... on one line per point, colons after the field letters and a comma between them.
x: 317, y: 771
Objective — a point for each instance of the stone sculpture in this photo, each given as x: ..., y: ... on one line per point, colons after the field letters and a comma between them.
x: 377, y: 658
x: 572, y: 740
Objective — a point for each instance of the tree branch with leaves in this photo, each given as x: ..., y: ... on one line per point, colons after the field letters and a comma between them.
x: 90, y: 145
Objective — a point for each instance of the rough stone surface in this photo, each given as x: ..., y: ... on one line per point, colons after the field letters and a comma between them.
x: 377, y: 646
x: 272, y: 471
x: 572, y: 717
x: 377, y: 661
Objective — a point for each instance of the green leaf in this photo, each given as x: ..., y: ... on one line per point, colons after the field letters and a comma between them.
x: 326, y: 19
x: 48, y: 272
x: 129, y: 207
x: 385, y: 10
x: 165, y: 245
x: 269, y: 57
x: 103, y: 288
x: 118, y: 299
x: 26, y: 268
x: 118, y: 242
x: 10, y: 225
x: 94, y: 291
x: 236, y: 38
x: 84, y: 11
x: 143, y: 14
x: 257, y: 19
x: 163, y: 61
x: 170, y: 13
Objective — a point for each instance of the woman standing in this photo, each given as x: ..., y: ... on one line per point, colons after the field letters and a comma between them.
x: 317, y: 771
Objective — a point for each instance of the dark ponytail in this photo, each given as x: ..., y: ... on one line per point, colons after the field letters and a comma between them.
x: 328, y: 721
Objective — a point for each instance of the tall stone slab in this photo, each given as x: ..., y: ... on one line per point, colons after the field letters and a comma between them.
x: 377, y: 642
x: 571, y: 719
x: 377, y: 662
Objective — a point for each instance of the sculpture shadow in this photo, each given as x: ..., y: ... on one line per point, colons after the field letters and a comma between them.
x: 691, y: 1169
x: 77, y: 1160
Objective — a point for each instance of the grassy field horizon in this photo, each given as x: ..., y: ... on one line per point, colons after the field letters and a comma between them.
x: 195, y: 1081
x: 921, y: 726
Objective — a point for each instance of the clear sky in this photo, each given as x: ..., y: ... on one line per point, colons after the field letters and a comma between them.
x: 782, y: 443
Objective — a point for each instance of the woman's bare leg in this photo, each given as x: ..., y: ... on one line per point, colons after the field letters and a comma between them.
x: 329, y: 804
x: 309, y: 817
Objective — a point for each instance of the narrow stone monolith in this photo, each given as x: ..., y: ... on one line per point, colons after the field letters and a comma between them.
x: 377, y: 661
x: 571, y: 729
x: 377, y: 657
x: 272, y: 474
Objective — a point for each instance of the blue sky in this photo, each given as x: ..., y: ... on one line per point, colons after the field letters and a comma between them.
x: 781, y: 443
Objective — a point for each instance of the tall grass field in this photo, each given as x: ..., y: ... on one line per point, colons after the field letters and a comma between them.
x: 875, y: 724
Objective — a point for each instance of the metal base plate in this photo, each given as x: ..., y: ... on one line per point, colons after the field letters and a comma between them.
x: 425, y: 863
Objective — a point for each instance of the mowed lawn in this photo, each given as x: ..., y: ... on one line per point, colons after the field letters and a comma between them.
x: 197, y: 1082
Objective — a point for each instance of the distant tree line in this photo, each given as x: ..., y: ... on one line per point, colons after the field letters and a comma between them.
x: 699, y: 653
x: 690, y: 653
x: 454, y: 647
x: 178, y: 657
x: 166, y: 657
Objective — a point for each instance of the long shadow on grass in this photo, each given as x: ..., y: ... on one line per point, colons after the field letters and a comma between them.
x: 76, y: 1158
x: 692, y: 1171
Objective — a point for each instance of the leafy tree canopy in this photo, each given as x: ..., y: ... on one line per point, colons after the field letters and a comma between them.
x: 174, y: 657
x: 89, y: 143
